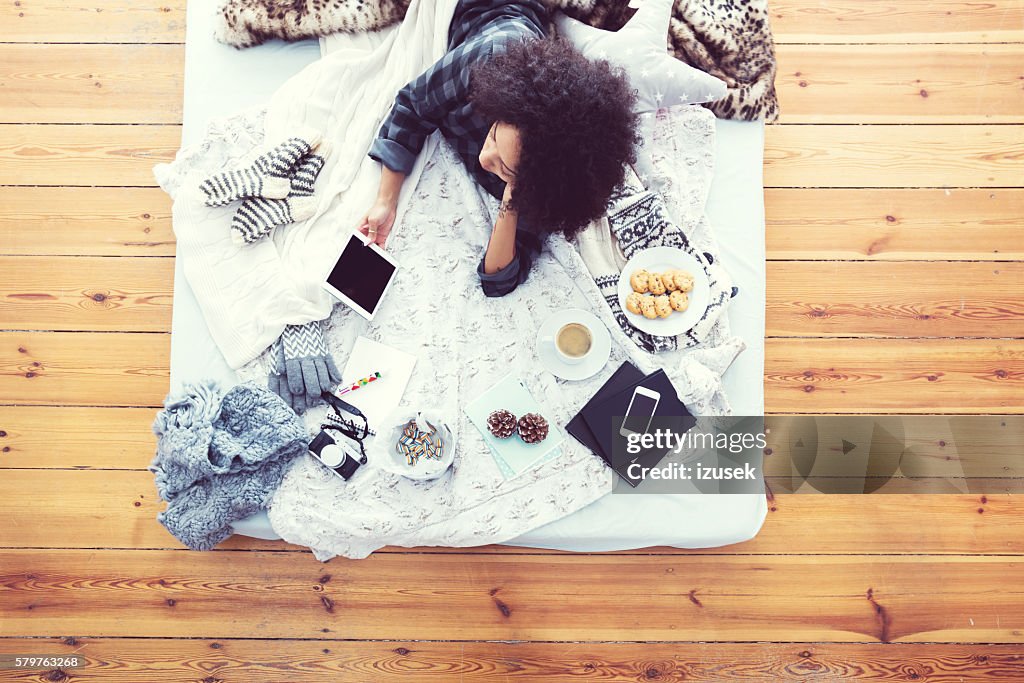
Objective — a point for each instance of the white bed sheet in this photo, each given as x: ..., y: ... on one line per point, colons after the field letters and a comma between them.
x: 220, y: 80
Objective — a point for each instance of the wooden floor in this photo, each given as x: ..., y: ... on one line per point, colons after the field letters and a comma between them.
x: 895, y: 209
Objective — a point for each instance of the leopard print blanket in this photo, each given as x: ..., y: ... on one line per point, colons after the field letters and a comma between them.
x: 729, y: 39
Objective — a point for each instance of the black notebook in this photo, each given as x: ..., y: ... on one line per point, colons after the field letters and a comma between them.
x: 604, y: 417
x: 626, y: 376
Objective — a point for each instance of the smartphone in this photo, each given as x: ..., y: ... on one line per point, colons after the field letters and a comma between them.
x: 640, y: 411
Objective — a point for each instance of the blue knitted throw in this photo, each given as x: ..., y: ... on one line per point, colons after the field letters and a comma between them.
x: 220, y: 458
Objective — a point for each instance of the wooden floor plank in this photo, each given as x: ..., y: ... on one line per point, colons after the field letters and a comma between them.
x: 504, y: 597
x: 894, y: 156
x: 86, y: 293
x: 801, y: 375
x: 854, y: 299
x: 87, y: 155
x: 78, y: 438
x: 891, y: 21
x: 900, y: 84
x: 95, y: 21
x: 966, y: 447
x: 914, y: 299
x: 895, y: 224
x: 96, y: 369
x: 123, y: 660
x: 118, y: 508
x: 894, y: 376
x: 793, y: 21
x: 69, y: 437
x: 85, y: 221
x: 928, y: 224
x: 91, y: 83
x: 802, y: 224
x: 795, y: 156
x: 817, y: 84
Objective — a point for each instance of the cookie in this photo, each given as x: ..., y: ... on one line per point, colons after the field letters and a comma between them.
x: 679, y: 301
x: 656, y: 284
x: 647, y: 307
x: 639, y: 281
x: 669, y: 280
x: 682, y: 281
x: 662, y: 306
x: 633, y: 302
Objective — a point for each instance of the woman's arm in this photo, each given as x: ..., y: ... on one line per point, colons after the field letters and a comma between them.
x: 418, y: 109
x: 377, y: 222
x: 501, y: 249
x: 390, y: 185
x: 510, y: 252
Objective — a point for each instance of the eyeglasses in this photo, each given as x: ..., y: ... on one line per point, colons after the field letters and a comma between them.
x: 355, y: 430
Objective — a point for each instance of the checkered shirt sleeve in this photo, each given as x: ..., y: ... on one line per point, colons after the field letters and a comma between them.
x: 439, y: 98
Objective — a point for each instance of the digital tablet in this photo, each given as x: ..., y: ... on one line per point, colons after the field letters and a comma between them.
x: 362, y: 275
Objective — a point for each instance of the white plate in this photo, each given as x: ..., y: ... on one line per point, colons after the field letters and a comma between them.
x: 594, y: 361
x: 657, y: 260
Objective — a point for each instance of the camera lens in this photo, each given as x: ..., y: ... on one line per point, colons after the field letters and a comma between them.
x: 332, y: 455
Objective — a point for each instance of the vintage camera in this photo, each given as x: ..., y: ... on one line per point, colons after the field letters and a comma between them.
x: 340, y: 458
x: 344, y: 456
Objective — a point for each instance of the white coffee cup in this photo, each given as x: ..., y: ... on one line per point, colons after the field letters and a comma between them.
x: 573, y: 342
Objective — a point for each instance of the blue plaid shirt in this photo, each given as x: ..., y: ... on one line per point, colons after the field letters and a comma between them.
x: 439, y: 100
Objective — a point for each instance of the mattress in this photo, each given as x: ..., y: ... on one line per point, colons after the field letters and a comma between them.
x: 220, y: 80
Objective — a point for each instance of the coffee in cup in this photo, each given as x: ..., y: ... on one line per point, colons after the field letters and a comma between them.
x: 573, y: 342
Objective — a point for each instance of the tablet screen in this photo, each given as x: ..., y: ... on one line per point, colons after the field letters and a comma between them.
x: 361, y: 274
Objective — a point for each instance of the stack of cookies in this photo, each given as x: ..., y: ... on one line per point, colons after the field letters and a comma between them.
x: 659, y: 295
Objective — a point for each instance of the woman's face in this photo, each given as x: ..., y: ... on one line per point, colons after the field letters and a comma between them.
x: 500, y: 154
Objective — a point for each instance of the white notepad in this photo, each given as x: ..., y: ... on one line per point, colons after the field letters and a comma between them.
x: 378, y: 398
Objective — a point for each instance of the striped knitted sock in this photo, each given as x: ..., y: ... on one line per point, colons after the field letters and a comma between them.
x: 266, y: 176
x: 258, y: 216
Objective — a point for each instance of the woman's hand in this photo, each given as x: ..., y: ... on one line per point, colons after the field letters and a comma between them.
x: 377, y: 222
x: 501, y: 248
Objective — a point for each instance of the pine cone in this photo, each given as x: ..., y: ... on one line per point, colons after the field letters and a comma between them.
x: 501, y: 423
x: 533, y: 428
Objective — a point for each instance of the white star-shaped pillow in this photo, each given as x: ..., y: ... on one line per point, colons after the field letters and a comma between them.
x: 639, y: 48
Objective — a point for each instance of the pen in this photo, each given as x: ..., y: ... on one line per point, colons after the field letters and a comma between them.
x: 361, y: 383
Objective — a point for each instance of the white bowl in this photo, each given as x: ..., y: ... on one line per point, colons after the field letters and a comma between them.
x: 425, y: 468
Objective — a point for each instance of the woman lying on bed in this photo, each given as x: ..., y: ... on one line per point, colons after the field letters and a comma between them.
x: 539, y: 126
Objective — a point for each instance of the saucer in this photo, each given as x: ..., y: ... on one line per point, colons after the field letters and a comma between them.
x: 594, y: 361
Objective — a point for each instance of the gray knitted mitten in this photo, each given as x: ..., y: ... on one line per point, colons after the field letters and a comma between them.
x: 303, y: 369
x: 258, y: 216
x: 266, y: 176
x: 277, y: 381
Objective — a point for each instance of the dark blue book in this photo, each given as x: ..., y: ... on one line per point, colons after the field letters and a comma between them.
x: 604, y: 418
x: 626, y: 376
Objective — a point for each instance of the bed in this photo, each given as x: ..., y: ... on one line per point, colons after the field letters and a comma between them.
x: 220, y: 80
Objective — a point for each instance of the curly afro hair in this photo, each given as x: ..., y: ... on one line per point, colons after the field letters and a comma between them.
x: 576, y: 126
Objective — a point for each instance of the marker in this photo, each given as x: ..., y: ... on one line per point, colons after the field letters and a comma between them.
x: 361, y: 383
